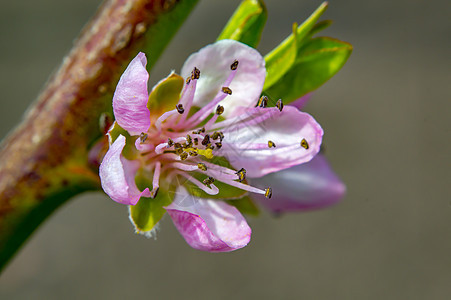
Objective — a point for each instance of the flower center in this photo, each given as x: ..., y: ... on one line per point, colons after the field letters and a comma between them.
x: 180, y: 143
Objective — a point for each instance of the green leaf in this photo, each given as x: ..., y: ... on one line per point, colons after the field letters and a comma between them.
x: 317, y: 61
x: 280, y: 60
x: 245, y: 205
x: 246, y: 24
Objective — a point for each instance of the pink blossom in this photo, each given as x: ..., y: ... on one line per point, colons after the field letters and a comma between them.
x: 218, y: 117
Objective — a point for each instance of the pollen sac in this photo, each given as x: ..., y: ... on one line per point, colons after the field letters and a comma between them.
x: 208, y: 181
x: 219, y: 110
x: 279, y: 104
x: 193, y: 153
x: 226, y: 90
x: 180, y: 108
x: 196, y: 141
x: 262, y: 102
x: 188, y: 80
x: 217, y: 135
x: 304, y: 144
x: 206, y: 140
x: 170, y: 142
x: 143, y: 137
x: 234, y: 66
x: 268, y: 193
x: 241, y: 174
x: 195, y: 74
x: 271, y: 144
x: 202, y: 166
x: 183, y: 155
x: 218, y: 145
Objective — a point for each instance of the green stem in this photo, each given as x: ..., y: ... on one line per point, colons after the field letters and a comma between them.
x: 44, y: 161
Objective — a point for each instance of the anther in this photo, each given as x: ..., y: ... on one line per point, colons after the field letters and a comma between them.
x: 188, y: 80
x: 193, y: 153
x: 188, y: 139
x: 170, y: 142
x: 208, y: 181
x: 183, y: 155
x: 195, y: 74
x: 180, y: 108
x: 154, y: 193
x: 206, y: 140
x: 263, y: 101
x: 209, y: 146
x: 271, y: 144
x: 279, y: 104
x: 219, y: 110
x: 218, y: 145
x: 268, y: 193
x: 226, y: 90
x: 234, y: 65
x: 202, y: 166
x: 143, y: 137
x: 196, y: 141
x: 241, y: 174
x: 304, y: 144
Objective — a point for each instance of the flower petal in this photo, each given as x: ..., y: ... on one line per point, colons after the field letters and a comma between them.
x: 131, y: 96
x: 246, y: 142
x: 309, y: 186
x: 214, y: 62
x: 208, y: 225
x: 117, y: 175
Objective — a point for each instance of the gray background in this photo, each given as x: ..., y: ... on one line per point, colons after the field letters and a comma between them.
x: 386, y: 118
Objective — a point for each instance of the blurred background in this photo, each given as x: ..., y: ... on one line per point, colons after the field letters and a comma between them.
x: 386, y: 117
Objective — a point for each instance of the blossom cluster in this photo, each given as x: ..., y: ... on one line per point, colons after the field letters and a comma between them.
x: 205, y: 139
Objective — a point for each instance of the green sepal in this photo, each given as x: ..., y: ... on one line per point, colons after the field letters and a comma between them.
x: 246, y: 24
x: 148, y: 211
x: 130, y: 152
x: 165, y: 95
x: 317, y: 61
x: 245, y: 205
x: 282, y: 58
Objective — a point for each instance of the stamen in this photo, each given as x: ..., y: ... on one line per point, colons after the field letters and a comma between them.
x: 226, y: 90
x: 143, y: 137
x: 219, y: 110
x: 180, y: 108
x: 219, y: 145
x: 196, y: 141
x: 195, y: 74
x: 202, y: 166
x: 262, y: 102
x: 268, y: 193
x: 241, y: 174
x: 163, y: 117
x: 206, y: 140
x: 271, y: 144
x: 234, y: 65
x: 279, y: 104
x: 183, y: 155
x: 304, y: 144
x: 208, y: 181
x: 156, y: 180
x: 170, y: 142
x: 213, y: 190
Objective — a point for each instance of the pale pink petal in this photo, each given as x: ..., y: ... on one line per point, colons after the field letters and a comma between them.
x: 246, y: 142
x: 131, y: 96
x: 208, y: 225
x: 309, y: 186
x: 214, y: 62
x: 301, y: 102
x: 117, y: 175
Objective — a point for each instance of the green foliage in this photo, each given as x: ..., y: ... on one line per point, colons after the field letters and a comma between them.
x: 317, y: 61
x: 246, y: 24
x: 280, y: 60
